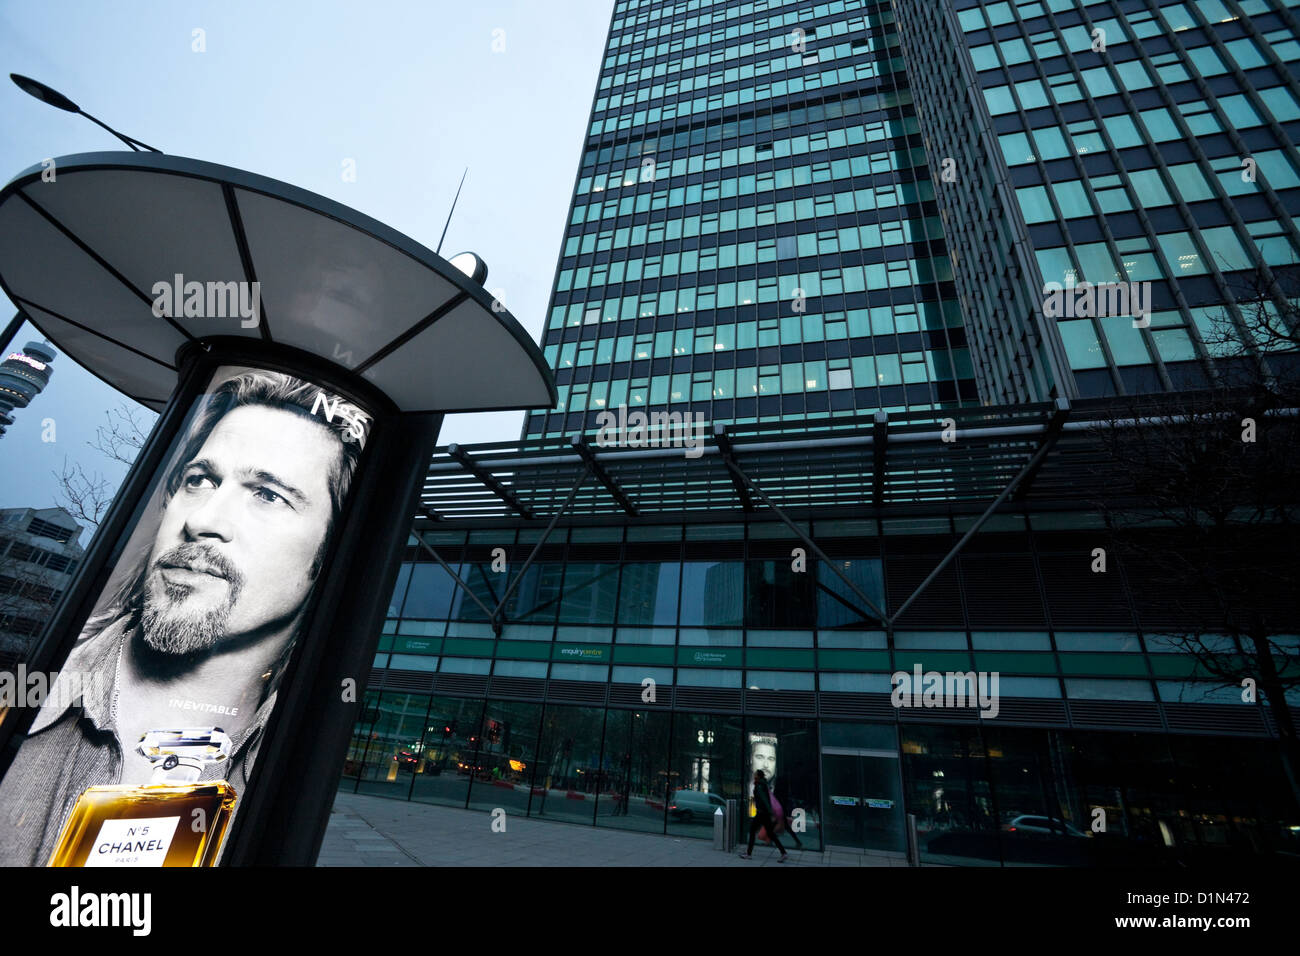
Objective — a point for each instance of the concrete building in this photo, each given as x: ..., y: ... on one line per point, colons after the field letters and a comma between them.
x: 39, y: 551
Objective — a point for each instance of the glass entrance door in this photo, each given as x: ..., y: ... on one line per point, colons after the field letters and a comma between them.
x: 863, y: 802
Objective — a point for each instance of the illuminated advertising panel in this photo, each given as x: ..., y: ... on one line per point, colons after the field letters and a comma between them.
x: 144, y: 748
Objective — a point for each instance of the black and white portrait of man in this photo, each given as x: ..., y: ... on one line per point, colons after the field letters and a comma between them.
x: 200, y: 617
x: 762, y: 756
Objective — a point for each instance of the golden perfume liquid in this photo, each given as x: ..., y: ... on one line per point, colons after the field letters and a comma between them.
x: 154, y: 825
x: 172, y: 821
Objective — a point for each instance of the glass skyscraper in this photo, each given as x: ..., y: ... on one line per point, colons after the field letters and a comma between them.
x: 754, y: 233
x: 833, y: 228
x: 1119, y: 141
x: 762, y: 226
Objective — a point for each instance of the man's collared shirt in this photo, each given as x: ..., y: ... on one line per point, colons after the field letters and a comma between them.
x: 73, y: 744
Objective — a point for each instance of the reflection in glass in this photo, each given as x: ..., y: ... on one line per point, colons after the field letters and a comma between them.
x: 778, y: 596
x: 837, y: 605
x: 1040, y: 818
x: 430, y: 593
x: 393, y: 751
x: 357, y: 744
x: 399, y: 590
x: 946, y: 779
x: 506, y: 756
x: 568, y: 764
x: 712, y: 593
x: 450, y: 748
x: 590, y: 593
x: 706, y: 769
x: 537, y: 595
x: 634, y: 771
x: 484, y: 583
x: 649, y: 595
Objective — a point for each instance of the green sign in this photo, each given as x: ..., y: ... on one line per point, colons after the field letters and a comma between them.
x: 581, y: 653
x: 417, y: 645
x: 709, y: 656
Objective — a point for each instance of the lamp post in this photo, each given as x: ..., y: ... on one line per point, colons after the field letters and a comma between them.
x: 56, y: 99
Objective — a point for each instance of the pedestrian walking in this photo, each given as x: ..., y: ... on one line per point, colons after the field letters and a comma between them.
x: 783, y: 809
x: 764, y: 818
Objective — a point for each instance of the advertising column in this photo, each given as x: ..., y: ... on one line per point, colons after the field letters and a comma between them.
x: 146, y: 747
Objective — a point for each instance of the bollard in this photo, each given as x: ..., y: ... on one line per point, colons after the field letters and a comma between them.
x: 731, y: 826
x: 913, y: 844
x: 719, y: 830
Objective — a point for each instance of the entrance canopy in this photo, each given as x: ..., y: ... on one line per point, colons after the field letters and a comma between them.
x: 84, y: 253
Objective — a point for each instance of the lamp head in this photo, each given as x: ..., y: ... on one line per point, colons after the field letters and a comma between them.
x: 471, y: 265
x: 44, y: 93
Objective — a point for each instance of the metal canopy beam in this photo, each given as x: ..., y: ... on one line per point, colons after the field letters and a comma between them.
x: 830, y: 470
x: 1031, y: 466
x: 728, y: 453
x: 489, y: 480
x: 719, y: 430
x: 606, y: 479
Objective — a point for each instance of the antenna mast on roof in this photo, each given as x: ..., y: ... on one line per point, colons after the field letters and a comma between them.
x: 450, y: 211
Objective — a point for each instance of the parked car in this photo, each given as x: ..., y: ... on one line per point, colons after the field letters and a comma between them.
x: 686, y: 805
x: 1026, y: 823
x: 406, y: 761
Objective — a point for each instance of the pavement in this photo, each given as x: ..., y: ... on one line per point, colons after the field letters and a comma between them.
x: 382, y: 832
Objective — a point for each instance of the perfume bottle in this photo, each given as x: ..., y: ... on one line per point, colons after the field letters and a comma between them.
x: 174, y: 820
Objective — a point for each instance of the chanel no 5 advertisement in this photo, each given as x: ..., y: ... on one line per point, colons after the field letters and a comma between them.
x: 144, y: 750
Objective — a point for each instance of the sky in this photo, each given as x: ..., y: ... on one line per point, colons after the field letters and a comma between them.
x: 412, y: 92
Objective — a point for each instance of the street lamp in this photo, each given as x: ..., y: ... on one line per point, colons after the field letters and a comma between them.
x: 56, y: 99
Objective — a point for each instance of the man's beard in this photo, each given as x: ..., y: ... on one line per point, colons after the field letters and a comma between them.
x: 165, y: 624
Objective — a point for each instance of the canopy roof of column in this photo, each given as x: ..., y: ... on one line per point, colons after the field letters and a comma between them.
x: 82, y: 253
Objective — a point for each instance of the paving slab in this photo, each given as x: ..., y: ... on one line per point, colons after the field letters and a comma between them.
x: 367, y: 830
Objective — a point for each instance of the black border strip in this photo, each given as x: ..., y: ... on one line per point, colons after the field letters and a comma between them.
x: 100, y: 261
x: 245, y: 254
x: 413, y: 331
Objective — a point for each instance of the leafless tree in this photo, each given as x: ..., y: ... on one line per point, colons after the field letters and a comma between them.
x: 1202, y: 495
x: 1265, y: 335
x: 87, y: 495
x: 124, y: 435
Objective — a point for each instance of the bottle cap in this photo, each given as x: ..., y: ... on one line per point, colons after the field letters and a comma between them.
x: 179, y: 756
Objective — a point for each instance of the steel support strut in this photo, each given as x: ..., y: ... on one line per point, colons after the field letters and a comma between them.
x: 496, y: 615
x: 1031, y: 467
x: 447, y: 567
x: 729, y: 458
x: 719, y: 430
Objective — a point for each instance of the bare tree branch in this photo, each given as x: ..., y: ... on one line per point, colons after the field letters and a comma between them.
x: 1204, y: 509
x: 84, y: 496
x: 124, y: 435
